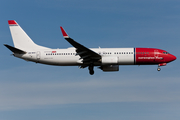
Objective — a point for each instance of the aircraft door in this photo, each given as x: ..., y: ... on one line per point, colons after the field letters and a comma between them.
x: 38, y: 55
x: 156, y: 55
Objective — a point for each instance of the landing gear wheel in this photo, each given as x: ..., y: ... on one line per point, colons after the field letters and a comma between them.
x: 158, y: 69
x: 91, y: 71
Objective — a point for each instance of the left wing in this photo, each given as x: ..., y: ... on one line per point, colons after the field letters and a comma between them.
x: 85, y: 53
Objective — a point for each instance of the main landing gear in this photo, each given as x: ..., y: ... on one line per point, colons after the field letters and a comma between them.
x: 91, y: 69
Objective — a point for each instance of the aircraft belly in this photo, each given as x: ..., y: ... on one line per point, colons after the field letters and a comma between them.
x: 26, y: 57
x: 56, y: 60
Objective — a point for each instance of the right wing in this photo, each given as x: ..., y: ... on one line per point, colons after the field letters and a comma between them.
x: 85, y: 53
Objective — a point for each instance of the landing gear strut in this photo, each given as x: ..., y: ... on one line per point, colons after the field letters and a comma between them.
x: 159, y: 69
x: 91, y: 69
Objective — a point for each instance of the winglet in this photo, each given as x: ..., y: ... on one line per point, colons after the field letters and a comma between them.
x: 12, y: 22
x: 65, y: 35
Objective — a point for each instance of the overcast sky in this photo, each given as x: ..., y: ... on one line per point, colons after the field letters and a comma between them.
x: 30, y: 91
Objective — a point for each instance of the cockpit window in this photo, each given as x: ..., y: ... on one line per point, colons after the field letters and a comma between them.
x: 165, y: 52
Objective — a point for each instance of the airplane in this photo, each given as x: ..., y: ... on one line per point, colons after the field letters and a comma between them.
x: 106, y: 59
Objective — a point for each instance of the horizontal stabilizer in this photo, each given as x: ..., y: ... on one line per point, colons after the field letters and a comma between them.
x: 15, y: 50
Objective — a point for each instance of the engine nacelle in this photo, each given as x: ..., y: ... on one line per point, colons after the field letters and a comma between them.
x: 109, y: 60
x: 108, y: 68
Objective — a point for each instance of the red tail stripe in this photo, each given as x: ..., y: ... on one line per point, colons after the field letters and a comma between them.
x: 12, y: 22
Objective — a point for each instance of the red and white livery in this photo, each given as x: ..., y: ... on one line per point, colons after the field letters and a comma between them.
x: 107, y: 59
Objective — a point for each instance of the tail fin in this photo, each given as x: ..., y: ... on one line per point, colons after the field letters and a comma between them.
x: 20, y: 39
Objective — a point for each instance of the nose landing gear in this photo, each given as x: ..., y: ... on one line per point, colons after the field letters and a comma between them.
x: 158, y: 69
x: 162, y: 64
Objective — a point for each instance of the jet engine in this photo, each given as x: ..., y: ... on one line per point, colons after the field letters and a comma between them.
x: 107, y: 68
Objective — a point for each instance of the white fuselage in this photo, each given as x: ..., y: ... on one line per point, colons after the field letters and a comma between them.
x: 68, y: 57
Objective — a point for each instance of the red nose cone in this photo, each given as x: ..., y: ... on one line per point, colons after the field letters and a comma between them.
x: 173, y: 57
x: 170, y: 58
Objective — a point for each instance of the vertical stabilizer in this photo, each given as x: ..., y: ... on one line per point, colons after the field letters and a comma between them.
x: 20, y: 39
